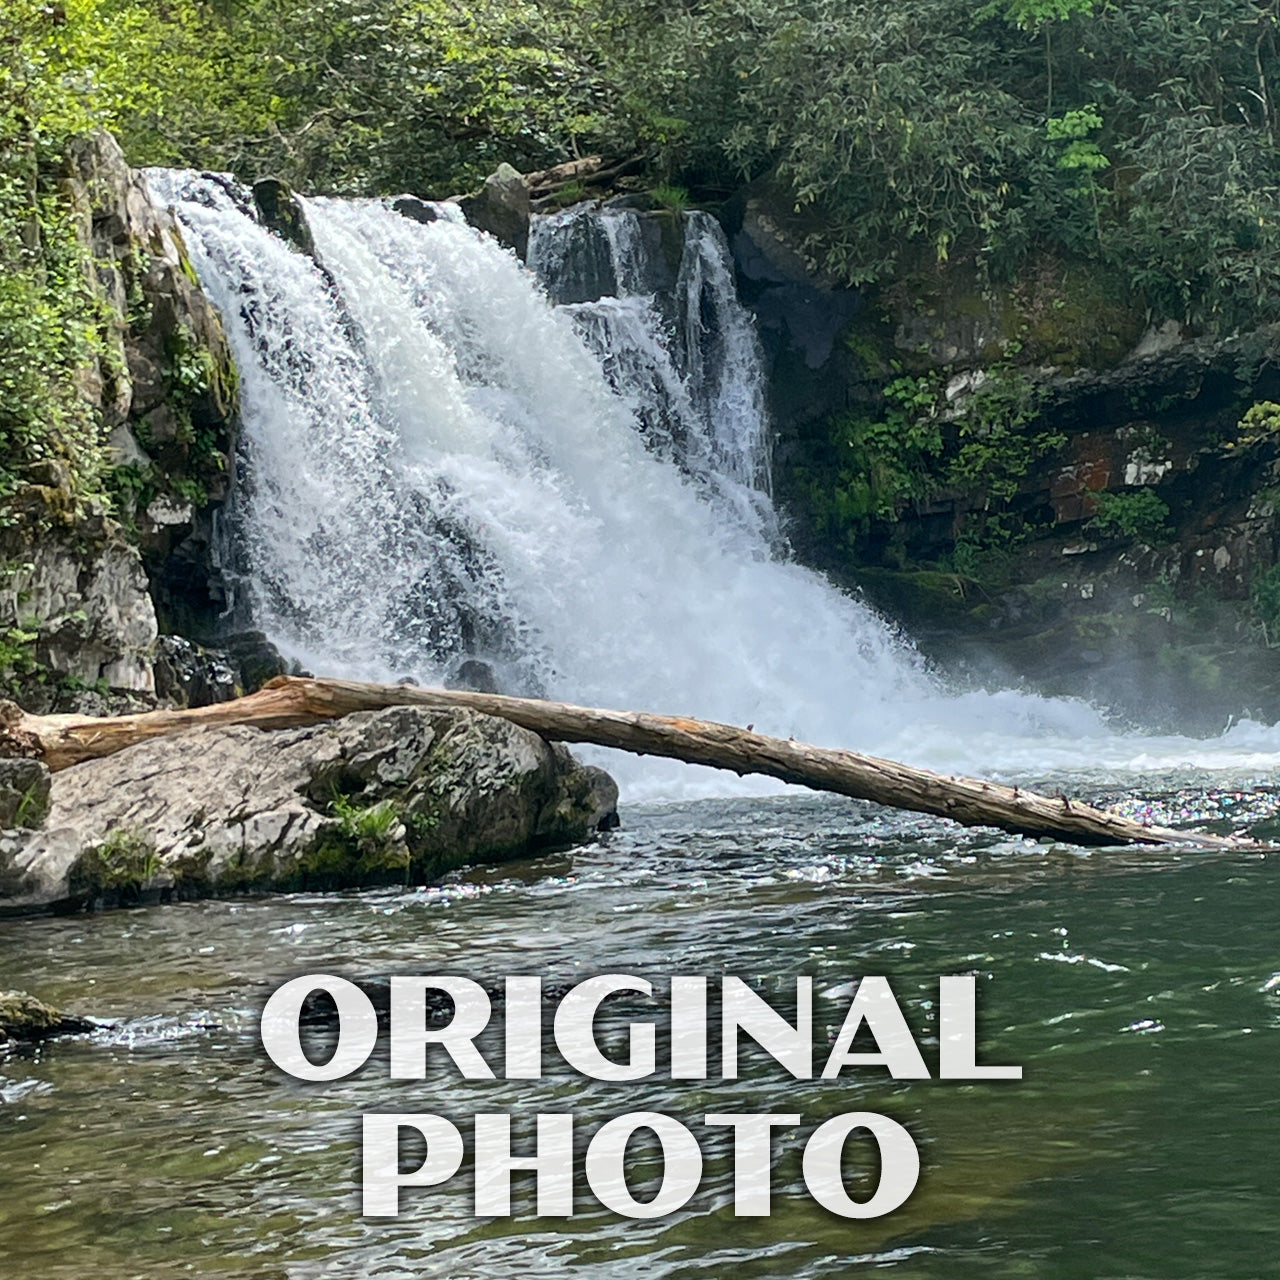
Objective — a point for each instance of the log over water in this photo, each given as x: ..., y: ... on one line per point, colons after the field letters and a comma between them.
x: 288, y: 702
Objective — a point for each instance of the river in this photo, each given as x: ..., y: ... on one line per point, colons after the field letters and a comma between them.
x: 1139, y: 990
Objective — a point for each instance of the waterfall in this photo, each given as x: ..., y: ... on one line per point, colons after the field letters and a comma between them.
x: 655, y: 298
x: 443, y: 462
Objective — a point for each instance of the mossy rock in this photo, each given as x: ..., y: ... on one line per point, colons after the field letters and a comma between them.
x: 123, y: 867
x: 926, y: 596
x: 1057, y: 312
x: 281, y: 212
x: 24, y: 1018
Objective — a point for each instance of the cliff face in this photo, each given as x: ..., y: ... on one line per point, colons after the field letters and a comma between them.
x: 1035, y: 478
x: 89, y: 584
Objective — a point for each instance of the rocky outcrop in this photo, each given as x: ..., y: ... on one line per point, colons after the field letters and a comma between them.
x: 79, y: 595
x: 395, y: 796
x: 87, y: 587
x: 170, y: 403
x: 1033, y: 478
x: 501, y: 207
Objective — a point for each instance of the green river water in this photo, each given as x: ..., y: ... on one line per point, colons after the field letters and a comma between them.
x: 1139, y: 990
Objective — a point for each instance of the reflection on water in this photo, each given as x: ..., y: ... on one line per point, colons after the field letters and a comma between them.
x: 1140, y: 990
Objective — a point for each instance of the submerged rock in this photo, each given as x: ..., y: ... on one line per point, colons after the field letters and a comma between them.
x: 416, y: 210
x: 24, y: 1018
x: 399, y: 795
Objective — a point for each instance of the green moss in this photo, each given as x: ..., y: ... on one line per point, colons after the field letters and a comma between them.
x: 366, y: 845
x: 18, y: 659
x: 1074, y: 317
x: 1265, y: 597
x: 926, y: 594
x: 124, y: 863
x: 33, y: 808
x: 673, y: 199
x: 1197, y: 669
x: 23, y: 1017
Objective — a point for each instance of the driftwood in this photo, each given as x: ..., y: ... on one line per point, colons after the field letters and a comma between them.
x: 289, y: 701
x: 547, y: 187
x: 545, y: 180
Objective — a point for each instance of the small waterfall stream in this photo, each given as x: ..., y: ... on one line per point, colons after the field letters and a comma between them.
x: 562, y: 473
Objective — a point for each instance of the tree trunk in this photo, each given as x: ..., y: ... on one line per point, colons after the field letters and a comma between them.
x: 288, y: 701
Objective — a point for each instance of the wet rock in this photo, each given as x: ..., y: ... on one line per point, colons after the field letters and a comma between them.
x: 195, y: 675
x: 189, y: 675
x: 477, y: 676
x: 378, y: 797
x: 255, y: 659
x: 24, y: 793
x: 416, y: 210
x: 501, y: 207
x: 280, y: 210
x: 24, y: 1018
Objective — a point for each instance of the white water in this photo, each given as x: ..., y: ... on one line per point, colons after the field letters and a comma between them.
x: 436, y: 467
x: 687, y: 363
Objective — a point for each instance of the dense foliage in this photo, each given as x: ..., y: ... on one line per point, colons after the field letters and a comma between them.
x: 62, y: 71
x: 1141, y: 134
x: 1132, y: 144
x: 1137, y: 133
x: 1135, y: 136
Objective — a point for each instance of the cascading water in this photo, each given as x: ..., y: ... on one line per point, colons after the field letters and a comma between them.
x: 437, y: 468
x: 657, y: 303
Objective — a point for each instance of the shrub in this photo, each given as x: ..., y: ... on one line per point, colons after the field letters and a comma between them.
x: 1141, y: 515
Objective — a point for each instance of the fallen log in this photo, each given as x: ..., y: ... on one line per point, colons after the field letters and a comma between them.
x: 289, y: 701
x: 559, y: 175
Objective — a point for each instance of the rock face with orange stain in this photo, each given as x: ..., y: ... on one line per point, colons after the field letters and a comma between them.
x: 1115, y: 530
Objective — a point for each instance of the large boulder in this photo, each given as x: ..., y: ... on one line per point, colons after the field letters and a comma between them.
x: 501, y: 207
x: 398, y: 795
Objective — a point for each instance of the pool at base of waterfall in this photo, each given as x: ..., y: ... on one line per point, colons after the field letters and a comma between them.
x: 1139, y: 990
